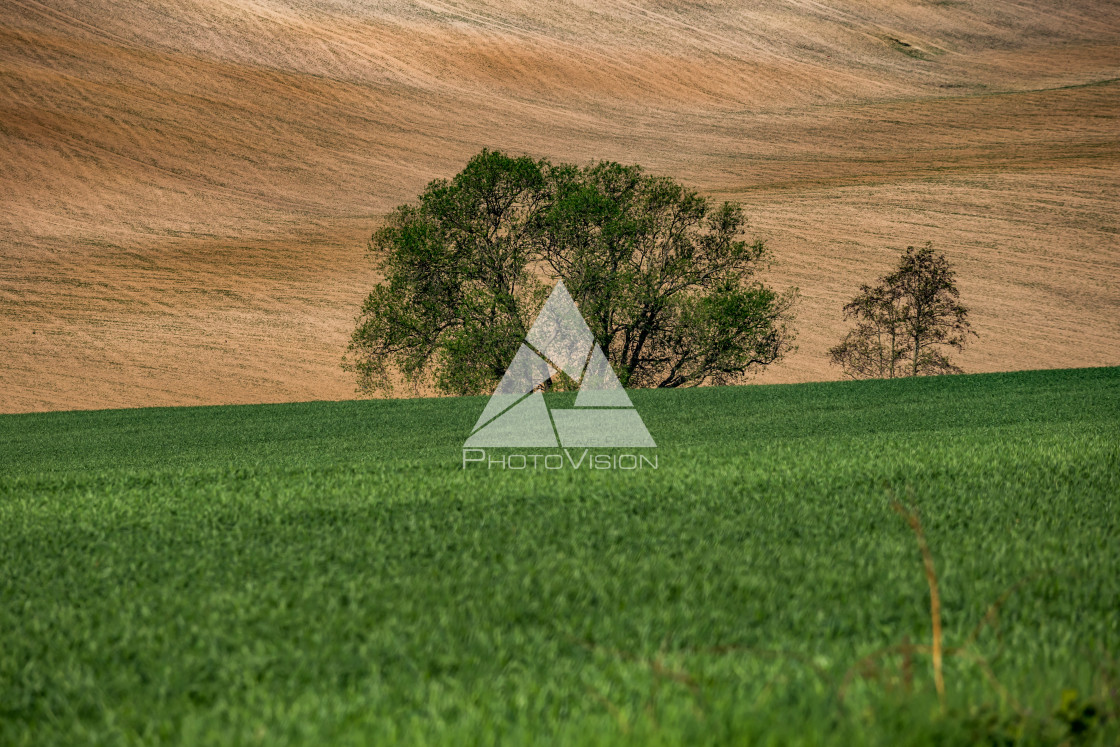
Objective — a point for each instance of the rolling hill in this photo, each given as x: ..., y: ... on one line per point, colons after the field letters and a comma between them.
x: 327, y: 573
x: 187, y: 185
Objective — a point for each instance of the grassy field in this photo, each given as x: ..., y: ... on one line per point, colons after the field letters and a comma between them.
x: 326, y: 573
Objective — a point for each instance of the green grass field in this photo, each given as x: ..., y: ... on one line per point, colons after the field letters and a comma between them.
x: 327, y: 573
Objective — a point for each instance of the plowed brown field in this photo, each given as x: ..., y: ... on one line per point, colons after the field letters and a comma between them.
x: 187, y: 185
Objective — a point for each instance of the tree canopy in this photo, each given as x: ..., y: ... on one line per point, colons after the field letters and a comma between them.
x: 664, y: 278
x: 906, y: 322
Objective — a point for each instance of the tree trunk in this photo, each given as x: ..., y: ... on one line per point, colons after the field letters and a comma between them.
x: 917, y: 336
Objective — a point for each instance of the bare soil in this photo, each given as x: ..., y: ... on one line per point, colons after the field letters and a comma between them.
x: 187, y: 186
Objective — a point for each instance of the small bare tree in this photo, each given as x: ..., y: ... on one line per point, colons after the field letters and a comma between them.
x: 905, y: 323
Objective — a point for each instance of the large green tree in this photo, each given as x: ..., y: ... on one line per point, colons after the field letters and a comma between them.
x: 665, y: 279
x: 458, y: 294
